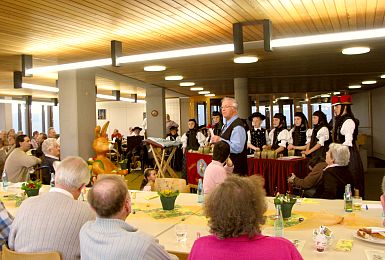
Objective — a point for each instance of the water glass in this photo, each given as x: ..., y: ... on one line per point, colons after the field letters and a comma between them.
x: 357, y: 203
x: 181, y: 233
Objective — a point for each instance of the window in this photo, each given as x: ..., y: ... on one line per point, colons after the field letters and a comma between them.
x: 37, y: 117
x: 55, y: 118
x: 287, y: 112
x: 201, y: 113
x: 327, y: 109
x: 304, y: 111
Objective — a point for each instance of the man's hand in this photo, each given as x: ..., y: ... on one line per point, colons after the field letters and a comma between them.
x: 229, y: 162
x: 291, y: 178
x: 215, y: 139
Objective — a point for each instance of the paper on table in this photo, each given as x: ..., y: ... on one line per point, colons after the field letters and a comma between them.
x: 371, y: 206
x: 299, y: 244
x: 151, y: 197
x: 375, y: 254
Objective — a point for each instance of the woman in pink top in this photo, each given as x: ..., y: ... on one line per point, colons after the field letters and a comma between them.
x: 235, y: 210
x: 215, y: 172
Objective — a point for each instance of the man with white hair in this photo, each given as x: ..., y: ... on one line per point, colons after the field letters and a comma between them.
x: 234, y: 133
x: 110, y: 237
x: 52, y: 221
x: 51, y: 150
x: 51, y: 132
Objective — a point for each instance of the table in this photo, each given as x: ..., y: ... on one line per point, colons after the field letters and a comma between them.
x: 159, y: 152
x: 195, y: 221
x: 274, y: 171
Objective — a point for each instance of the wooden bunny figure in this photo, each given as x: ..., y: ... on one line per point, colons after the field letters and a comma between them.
x: 100, y: 145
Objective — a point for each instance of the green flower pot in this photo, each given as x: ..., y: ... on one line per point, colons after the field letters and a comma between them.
x: 168, y: 203
x: 31, y: 193
x: 286, y: 209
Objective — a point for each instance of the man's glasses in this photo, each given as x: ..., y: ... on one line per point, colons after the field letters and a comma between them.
x: 225, y: 107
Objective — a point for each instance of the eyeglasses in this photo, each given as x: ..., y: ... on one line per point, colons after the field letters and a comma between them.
x: 225, y: 107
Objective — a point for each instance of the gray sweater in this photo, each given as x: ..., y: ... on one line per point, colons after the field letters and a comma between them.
x: 115, y: 239
x: 50, y: 222
x: 17, y: 165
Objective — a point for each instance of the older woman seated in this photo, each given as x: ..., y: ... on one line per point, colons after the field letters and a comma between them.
x: 51, y: 150
x: 336, y: 175
x: 236, y: 212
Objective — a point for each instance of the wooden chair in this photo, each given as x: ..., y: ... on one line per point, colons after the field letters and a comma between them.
x: 8, y: 254
x: 174, y: 183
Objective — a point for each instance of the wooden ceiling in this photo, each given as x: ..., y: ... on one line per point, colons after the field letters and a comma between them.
x: 62, y: 31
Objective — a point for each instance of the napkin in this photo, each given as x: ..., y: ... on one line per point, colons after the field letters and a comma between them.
x: 344, y: 245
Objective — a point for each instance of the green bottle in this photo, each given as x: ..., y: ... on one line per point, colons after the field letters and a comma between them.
x: 348, y: 198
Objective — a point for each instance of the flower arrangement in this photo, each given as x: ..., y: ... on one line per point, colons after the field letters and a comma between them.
x: 284, y: 198
x: 31, y: 185
x: 168, y: 193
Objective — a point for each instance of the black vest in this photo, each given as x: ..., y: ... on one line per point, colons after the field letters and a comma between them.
x: 299, y: 138
x: 321, y: 152
x: 239, y: 159
x: 192, y: 141
x: 173, y: 137
x: 258, y: 137
x: 275, y: 144
x: 337, y: 136
x: 217, y: 129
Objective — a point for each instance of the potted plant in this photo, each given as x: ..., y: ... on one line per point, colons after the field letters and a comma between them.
x: 167, y: 198
x: 287, y: 202
x: 31, y: 188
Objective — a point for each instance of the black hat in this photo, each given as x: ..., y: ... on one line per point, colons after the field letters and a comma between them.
x: 173, y: 128
x: 257, y: 114
x: 137, y: 127
x: 216, y: 113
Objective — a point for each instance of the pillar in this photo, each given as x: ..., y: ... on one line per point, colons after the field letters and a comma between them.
x: 77, y: 112
x: 241, y: 94
x: 184, y: 114
x: 156, y: 112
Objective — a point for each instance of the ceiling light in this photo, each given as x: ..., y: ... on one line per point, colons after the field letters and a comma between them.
x: 355, y: 50
x: 154, y: 68
x: 127, y: 99
x: 306, y: 99
x: 141, y: 101
x: 382, y: 76
x: 369, y: 82
x: 283, y: 98
x: 355, y: 86
x: 336, y: 93
x: 245, y: 59
x: 11, y: 101
x: 204, y: 92
x: 105, y: 96
x: 329, y: 37
x: 187, y: 84
x: 325, y: 95
x: 196, y: 89
x: 42, y: 103
x: 39, y: 87
x: 176, y: 77
x: 210, y: 95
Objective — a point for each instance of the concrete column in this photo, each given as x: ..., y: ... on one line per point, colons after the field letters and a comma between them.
x: 156, y: 104
x: 241, y: 94
x: 77, y: 110
x: 184, y: 115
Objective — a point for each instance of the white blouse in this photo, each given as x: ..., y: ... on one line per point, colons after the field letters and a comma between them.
x: 322, y: 135
x: 249, y: 136
x: 283, y: 137
x: 200, y: 137
x: 291, y: 135
x: 347, y: 130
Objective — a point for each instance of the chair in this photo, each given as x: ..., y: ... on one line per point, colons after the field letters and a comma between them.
x: 175, y: 183
x: 8, y: 254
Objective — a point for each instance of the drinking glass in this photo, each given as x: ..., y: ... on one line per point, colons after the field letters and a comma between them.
x: 181, y: 233
x: 357, y: 203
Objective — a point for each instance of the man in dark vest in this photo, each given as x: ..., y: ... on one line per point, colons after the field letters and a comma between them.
x: 234, y: 133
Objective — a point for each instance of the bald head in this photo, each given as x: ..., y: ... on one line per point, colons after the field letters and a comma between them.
x: 108, y: 196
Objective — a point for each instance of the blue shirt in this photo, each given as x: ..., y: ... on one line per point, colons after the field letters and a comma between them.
x: 5, y: 224
x: 238, y: 136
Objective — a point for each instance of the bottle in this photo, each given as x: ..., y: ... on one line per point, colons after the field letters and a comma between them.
x: 200, y: 191
x: 52, y: 182
x: 348, y: 198
x: 5, y: 179
x: 278, y: 222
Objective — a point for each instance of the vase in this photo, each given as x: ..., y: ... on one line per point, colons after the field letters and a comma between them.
x: 286, y: 209
x: 33, y: 192
x: 168, y: 203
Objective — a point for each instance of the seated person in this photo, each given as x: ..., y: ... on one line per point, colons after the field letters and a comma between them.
x: 236, y: 211
x: 5, y: 151
x: 149, y: 178
x: 215, y: 172
x: 192, y: 139
x: 110, y: 237
x: 336, y: 175
x: 308, y: 185
x: 40, y: 139
x: 52, y: 221
x: 6, y: 220
x: 18, y: 162
x: 51, y: 150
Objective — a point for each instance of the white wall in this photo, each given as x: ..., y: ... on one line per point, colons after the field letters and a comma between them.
x: 378, y: 110
x: 5, y: 116
x: 361, y: 111
x: 122, y: 115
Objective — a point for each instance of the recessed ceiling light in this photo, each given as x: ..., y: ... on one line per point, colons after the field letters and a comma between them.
x: 325, y: 95
x: 283, y: 98
x: 155, y: 68
x: 306, y: 99
x: 382, y: 76
x: 354, y: 86
x: 176, y: 77
x: 246, y: 59
x: 196, y: 89
x: 368, y: 82
x: 187, y: 84
x: 355, y: 50
x: 336, y: 93
x: 204, y: 92
x: 210, y: 95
